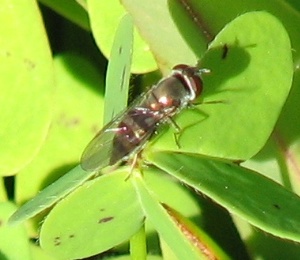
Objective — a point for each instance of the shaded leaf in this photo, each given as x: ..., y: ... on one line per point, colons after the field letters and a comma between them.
x: 255, y: 198
x: 118, y: 71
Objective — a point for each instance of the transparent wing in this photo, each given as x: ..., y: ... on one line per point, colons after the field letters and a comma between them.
x: 98, y: 152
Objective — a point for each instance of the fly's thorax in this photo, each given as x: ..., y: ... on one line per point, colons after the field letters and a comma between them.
x: 167, y: 96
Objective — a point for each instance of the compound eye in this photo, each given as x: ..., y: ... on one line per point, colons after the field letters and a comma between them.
x: 198, y: 85
x: 180, y: 67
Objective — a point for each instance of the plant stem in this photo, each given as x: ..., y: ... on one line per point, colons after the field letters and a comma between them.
x: 138, y: 247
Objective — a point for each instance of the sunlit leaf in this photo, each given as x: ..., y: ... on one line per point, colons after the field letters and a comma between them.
x: 26, y: 84
x: 99, y: 215
x: 104, y: 18
x: 12, y: 237
x: 250, y: 79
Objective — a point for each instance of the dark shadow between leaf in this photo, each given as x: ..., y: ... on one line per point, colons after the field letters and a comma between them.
x: 56, y: 173
x: 267, y: 246
x: 84, y: 71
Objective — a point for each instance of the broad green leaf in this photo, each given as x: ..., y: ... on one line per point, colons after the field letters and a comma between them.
x: 166, y: 189
x: 118, y: 71
x: 14, y: 244
x: 99, y: 215
x: 176, y: 238
x: 248, y: 87
x: 253, y: 197
x: 104, y: 18
x: 71, y: 127
x: 284, y: 144
x: 156, y: 26
x: 26, y: 84
x: 67, y: 116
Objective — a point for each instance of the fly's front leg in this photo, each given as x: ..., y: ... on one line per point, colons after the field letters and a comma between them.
x: 193, y: 105
x: 177, y: 130
x: 193, y: 108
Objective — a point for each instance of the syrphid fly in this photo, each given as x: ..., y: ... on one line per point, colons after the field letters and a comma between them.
x: 127, y: 133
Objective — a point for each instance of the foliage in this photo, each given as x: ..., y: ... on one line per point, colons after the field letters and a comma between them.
x: 53, y: 105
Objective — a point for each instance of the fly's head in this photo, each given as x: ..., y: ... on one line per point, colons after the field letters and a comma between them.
x: 191, y: 79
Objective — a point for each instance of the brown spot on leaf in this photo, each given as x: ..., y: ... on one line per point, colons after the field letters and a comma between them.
x: 106, y: 219
x: 68, y: 122
x: 57, y: 241
x: 29, y: 64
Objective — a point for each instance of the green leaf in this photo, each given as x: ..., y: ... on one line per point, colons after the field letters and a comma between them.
x: 66, y: 117
x: 118, y: 71
x: 164, y: 224
x: 104, y: 18
x: 99, y: 215
x: 167, y: 189
x: 283, y: 146
x: 255, y: 198
x: 71, y: 127
x: 184, y: 239
x: 12, y: 238
x: 156, y: 26
x: 26, y: 84
x: 248, y: 88
x: 51, y: 194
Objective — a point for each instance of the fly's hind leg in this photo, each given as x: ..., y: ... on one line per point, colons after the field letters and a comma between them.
x: 135, y: 163
x: 177, y: 128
